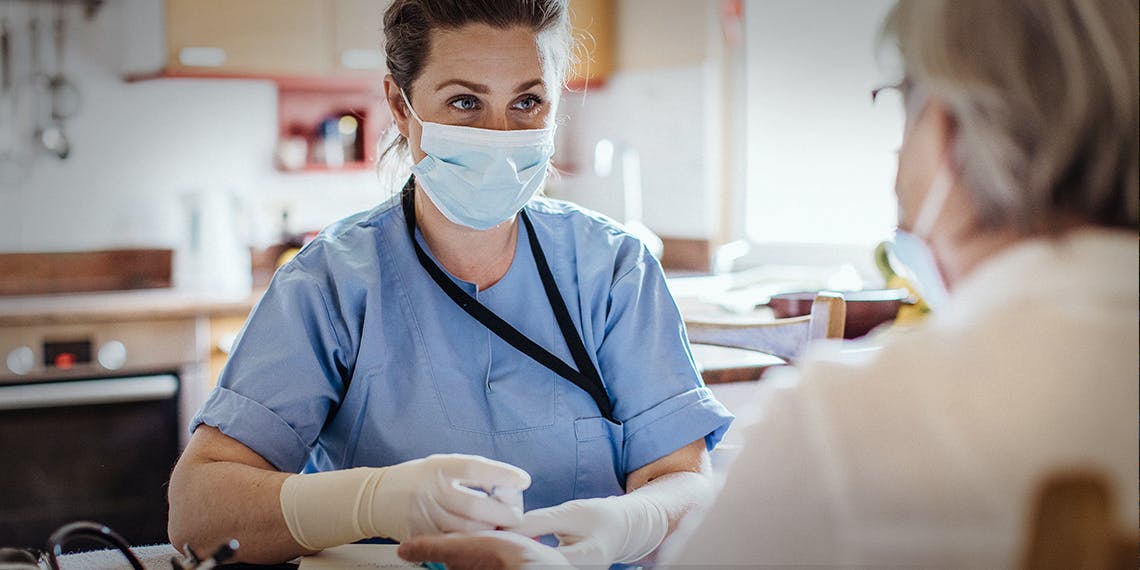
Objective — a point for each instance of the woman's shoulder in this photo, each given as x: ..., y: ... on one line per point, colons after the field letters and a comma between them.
x: 352, y: 241
x: 601, y: 245
x: 588, y: 226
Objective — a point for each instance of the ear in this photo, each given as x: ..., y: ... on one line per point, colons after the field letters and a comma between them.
x: 944, y: 129
x: 396, y: 104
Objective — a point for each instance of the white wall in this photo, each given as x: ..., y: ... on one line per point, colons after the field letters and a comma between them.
x: 663, y: 100
x: 821, y: 158
x: 136, y: 147
x: 658, y: 112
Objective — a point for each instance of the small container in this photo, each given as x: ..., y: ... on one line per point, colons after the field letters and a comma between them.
x: 329, y: 150
x: 866, y: 309
x: 292, y: 152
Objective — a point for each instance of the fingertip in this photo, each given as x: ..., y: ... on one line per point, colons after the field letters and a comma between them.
x: 409, y: 550
x: 498, y: 473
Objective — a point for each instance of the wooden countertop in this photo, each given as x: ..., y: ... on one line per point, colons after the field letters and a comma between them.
x: 149, y: 304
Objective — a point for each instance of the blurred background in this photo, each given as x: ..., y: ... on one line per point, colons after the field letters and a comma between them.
x: 729, y: 121
x: 160, y: 158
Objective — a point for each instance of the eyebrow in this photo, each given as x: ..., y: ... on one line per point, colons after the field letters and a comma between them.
x: 528, y: 84
x: 483, y: 89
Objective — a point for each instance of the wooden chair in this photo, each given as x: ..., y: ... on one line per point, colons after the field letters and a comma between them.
x: 784, y: 338
x: 1072, y: 526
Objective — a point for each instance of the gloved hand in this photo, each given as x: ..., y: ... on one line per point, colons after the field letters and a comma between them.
x: 594, y: 532
x: 487, y: 550
x: 424, y: 496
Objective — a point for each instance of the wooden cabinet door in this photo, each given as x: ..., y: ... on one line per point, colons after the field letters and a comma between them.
x: 273, y: 37
x: 223, y: 331
x: 357, y: 28
x: 594, y: 23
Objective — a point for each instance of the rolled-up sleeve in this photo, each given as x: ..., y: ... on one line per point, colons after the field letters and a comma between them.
x: 650, y: 373
x: 285, y: 374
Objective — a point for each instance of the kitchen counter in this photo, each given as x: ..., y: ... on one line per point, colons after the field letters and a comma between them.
x: 149, y: 304
x: 717, y: 364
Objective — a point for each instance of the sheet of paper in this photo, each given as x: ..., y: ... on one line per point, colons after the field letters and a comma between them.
x: 356, y: 556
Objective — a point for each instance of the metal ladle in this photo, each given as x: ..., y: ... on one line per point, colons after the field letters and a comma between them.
x: 63, y: 94
x: 39, y: 86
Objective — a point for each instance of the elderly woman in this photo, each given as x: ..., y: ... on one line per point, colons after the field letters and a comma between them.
x: 424, y: 362
x: 1017, y: 189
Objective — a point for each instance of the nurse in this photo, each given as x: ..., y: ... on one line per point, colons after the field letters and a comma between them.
x: 419, y: 365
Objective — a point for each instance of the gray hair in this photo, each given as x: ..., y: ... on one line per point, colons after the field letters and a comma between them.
x: 1044, y: 95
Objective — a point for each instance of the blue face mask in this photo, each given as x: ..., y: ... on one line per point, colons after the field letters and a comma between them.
x: 913, y: 252
x: 480, y: 178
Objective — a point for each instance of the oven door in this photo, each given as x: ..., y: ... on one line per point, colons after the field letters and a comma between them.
x: 98, y: 449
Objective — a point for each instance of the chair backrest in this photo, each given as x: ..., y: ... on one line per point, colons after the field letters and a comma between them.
x: 1072, y: 526
x: 785, y: 338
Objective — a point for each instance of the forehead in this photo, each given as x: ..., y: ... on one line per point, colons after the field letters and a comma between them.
x: 483, y: 54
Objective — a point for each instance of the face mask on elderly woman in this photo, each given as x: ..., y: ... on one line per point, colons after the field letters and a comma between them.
x: 913, y: 251
x: 479, y: 178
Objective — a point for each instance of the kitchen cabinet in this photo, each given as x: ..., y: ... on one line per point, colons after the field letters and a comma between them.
x: 274, y: 37
x: 324, y: 56
x: 224, y: 328
x: 595, y: 24
x: 246, y: 36
x: 357, y: 27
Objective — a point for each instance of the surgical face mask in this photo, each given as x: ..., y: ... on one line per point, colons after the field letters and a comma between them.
x: 915, y: 254
x: 479, y: 178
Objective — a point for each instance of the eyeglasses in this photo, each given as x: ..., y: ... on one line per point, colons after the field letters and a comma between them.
x: 903, y: 87
x: 909, y: 95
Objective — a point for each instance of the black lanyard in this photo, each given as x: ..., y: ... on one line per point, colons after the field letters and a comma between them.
x: 585, y: 377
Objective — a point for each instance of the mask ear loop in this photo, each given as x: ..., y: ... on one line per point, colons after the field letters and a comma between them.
x: 411, y: 111
x: 932, y: 203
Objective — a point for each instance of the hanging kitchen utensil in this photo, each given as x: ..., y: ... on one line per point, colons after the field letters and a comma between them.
x: 64, y: 95
x: 21, y: 108
x: 37, y: 83
x: 5, y: 59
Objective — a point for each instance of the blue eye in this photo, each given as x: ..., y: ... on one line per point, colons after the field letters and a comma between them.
x: 528, y: 103
x: 465, y: 103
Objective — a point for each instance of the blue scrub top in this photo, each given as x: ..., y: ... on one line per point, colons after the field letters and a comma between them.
x: 355, y: 357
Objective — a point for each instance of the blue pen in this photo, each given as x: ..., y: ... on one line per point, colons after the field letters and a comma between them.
x: 433, y: 565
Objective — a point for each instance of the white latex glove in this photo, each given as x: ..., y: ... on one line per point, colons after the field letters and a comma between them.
x: 487, y: 550
x: 423, y: 496
x: 594, y: 532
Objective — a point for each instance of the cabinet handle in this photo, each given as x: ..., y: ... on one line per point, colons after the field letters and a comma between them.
x: 202, y: 56
x: 87, y: 392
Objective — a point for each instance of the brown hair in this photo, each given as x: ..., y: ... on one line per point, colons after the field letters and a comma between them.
x: 1044, y: 94
x: 408, y: 25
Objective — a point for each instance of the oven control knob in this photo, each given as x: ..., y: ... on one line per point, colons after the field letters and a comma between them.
x: 112, y: 355
x: 21, y: 360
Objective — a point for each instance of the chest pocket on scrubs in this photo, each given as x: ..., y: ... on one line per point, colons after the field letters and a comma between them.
x: 600, y: 465
x: 491, y: 389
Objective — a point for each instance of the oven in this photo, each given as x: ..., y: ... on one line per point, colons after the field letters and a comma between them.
x: 91, y: 423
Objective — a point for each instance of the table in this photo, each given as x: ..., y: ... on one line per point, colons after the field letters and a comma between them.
x: 720, y: 364
x: 155, y: 556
